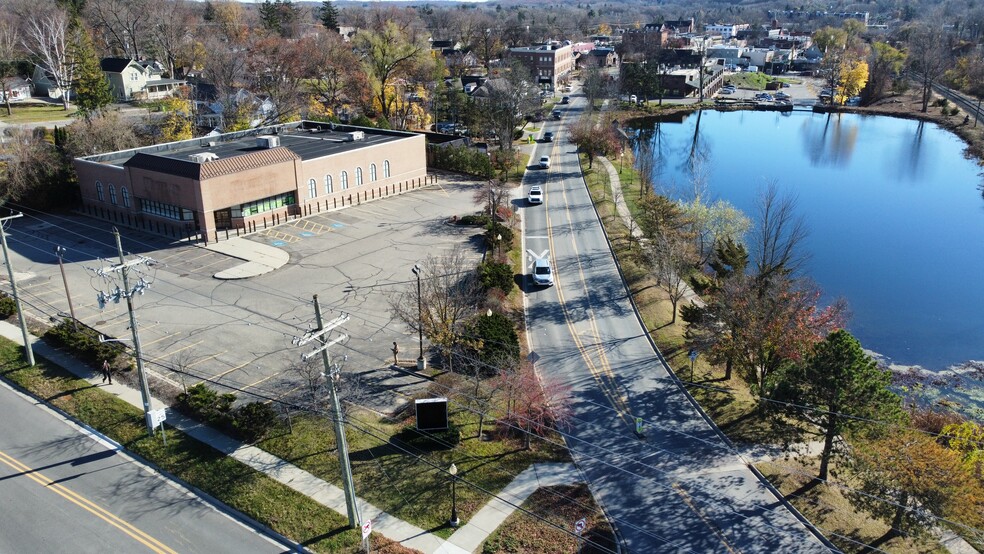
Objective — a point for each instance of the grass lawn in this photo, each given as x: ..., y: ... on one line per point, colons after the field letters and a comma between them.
x: 828, y: 508
x: 560, y: 507
x: 252, y: 493
x: 35, y: 114
x: 404, y: 480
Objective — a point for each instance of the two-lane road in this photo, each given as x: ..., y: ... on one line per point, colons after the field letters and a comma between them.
x: 679, y: 488
x: 63, y: 490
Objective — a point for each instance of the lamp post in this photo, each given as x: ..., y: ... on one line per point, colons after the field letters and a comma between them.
x: 60, y: 252
x: 453, y: 470
x: 498, y: 241
x: 421, y: 363
x: 621, y: 154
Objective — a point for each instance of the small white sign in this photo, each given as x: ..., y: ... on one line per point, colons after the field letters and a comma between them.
x: 366, y: 528
x: 157, y: 417
x: 579, y: 526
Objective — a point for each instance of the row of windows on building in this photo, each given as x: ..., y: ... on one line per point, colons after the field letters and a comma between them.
x: 330, y: 185
x: 101, y: 194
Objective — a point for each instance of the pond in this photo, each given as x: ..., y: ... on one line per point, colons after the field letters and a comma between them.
x: 895, y: 215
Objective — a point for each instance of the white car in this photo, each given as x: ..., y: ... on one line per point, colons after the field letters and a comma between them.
x: 542, y: 274
x: 535, y: 195
x: 544, y: 162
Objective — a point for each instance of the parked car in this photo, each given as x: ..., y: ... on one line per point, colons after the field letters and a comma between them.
x: 633, y: 98
x: 542, y: 272
x: 548, y: 136
x: 544, y: 162
x: 782, y: 96
x: 727, y: 90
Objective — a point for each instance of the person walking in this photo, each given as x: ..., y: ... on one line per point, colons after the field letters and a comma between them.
x: 107, y: 374
x: 396, y: 350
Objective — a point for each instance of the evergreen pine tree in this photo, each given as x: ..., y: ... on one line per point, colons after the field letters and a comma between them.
x: 91, y: 88
x: 208, y: 14
x: 329, y: 15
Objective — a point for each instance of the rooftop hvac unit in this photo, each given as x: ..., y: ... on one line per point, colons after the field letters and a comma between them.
x: 267, y: 141
x: 355, y: 135
x: 203, y: 157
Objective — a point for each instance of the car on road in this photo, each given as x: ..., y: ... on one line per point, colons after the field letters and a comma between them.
x: 556, y: 114
x: 544, y: 162
x: 728, y: 90
x: 565, y: 100
x: 548, y: 137
x: 542, y: 272
x: 535, y: 196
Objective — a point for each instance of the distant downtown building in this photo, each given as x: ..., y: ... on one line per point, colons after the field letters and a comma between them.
x: 548, y: 63
x: 249, y: 179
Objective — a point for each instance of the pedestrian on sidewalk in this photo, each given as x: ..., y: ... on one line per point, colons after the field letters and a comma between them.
x: 396, y: 350
x: 106, y: 372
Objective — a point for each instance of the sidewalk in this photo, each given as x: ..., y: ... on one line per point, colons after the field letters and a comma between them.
x: 465, y: 540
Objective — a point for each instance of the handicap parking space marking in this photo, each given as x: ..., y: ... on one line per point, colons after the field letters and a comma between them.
x: 279, y: 243
x: 306, y: 234
x: 337, y: 225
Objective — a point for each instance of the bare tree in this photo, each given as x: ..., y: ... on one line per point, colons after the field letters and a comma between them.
x: 169, y: 31
x: 47, y: 38
x: 449, y: 295
x: 31, y: 163
x: 672, y: 258
x: 335, y: 73
x: 507, y: 100
x: 122, y: 23
x: 929, y: 57
x: 778, y: 237
x: 9, y: 40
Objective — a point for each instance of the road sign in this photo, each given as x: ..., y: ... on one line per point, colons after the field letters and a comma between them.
x: 579, y: 526
x: 692, y: 354
x: 156, y: 417
x: 366, y: 528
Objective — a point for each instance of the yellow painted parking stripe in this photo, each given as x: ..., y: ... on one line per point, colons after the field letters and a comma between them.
x: 226, y: 372
x: 87, y: 505
x: 173, y: 352
x: 205, y: 359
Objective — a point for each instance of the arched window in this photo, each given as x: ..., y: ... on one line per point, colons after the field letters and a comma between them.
x: 328, y: 184
x: 99, y: 192
x: 126, y: 197
x: 372, y: 173
x: 112, y: 194
x: 358, y: 176
x: 312, y: 188
x: 386, y: 168
x: 344, y: 180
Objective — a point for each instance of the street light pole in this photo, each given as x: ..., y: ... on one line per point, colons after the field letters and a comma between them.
x: 454, y: 521
x: 60, y: 252
x: 421, y: 362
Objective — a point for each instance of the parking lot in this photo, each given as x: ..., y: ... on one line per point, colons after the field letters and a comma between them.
x: 241, y: 332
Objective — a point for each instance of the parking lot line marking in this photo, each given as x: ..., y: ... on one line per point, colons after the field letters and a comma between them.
x: 267, y: 378
x: 205, y: 359
x: 226, y: 372
x: 271, y: 400
x: 165, y: 355
x: 166, y: 336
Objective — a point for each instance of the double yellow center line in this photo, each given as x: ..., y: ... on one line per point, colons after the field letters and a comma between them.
x: 87, y: 505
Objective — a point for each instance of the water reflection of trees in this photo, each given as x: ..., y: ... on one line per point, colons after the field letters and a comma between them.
x: 654, y: 151
x: 832, y: 144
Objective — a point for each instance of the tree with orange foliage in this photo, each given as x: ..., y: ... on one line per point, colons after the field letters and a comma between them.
x: 912, y: 481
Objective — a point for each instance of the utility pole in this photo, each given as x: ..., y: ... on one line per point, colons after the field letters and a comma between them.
x: 13, y: 287
x: 332, y: 375
x: 60, y: 252
x: 123, y: 268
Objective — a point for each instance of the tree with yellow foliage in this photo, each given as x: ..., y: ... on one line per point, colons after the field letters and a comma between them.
x: 853, y: 78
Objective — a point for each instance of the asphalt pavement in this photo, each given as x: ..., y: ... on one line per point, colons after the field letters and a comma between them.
x: 65, y: 489
x: 678, y: 485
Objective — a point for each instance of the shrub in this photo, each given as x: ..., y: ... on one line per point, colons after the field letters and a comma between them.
x: 253, y: 421
x: 477, y: 220
x: 500, y: 344
x: 7, y: 306
x: 492, y: 231
x: 954, y: 110
x: 496, y: 275
x: 207, y: 405
x: 459, y: 158
x: 84, y: 343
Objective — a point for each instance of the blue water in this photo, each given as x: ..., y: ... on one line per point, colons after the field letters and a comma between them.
x: 895, y: 215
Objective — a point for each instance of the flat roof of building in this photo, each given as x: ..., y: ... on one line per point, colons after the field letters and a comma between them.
x: 307, y: 139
